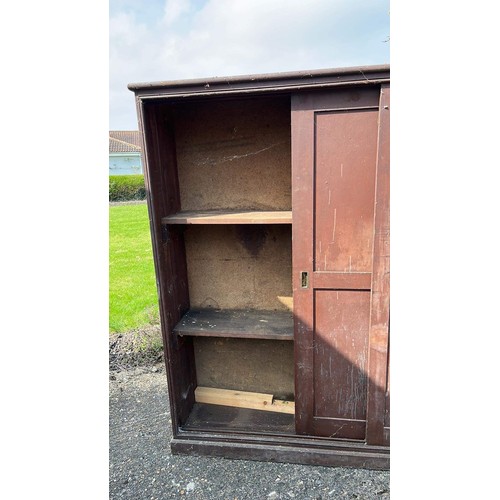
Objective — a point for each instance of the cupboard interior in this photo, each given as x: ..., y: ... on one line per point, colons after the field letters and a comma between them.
x: 234, y: 155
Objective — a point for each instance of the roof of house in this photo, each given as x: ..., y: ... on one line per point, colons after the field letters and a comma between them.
x: 124, y: 141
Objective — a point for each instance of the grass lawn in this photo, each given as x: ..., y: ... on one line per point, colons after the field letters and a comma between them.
x: 133, y: 301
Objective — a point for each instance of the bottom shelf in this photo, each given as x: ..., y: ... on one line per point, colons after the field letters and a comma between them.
x: 208, y: 417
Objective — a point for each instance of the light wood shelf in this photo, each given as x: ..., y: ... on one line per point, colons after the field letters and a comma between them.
x: 230, y: 217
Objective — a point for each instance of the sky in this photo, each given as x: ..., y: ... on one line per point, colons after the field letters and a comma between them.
x: 163, y: 40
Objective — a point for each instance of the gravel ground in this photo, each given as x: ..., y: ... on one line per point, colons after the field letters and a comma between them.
x: 143, y: 467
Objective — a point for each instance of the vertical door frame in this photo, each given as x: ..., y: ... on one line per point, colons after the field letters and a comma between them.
x: 302, y: 129
x: 378, y: 355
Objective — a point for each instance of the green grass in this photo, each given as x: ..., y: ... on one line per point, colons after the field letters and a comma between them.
x: 133, y: 301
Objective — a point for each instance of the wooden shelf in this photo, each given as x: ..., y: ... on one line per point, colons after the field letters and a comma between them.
x: 251, y: 324
x: 206, y: 417
x: 230, y: 217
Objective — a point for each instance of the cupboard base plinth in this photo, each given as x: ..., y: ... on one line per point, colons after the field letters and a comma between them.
x: 287, y: 450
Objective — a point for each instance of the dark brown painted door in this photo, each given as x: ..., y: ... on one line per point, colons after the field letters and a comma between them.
x: 335, y: 160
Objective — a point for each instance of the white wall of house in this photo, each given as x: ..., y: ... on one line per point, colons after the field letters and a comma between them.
x: 125, y: 163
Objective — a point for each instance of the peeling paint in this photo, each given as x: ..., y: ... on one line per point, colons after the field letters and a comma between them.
x: 334, y: 224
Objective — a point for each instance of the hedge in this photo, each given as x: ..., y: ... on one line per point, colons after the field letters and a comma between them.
x: 126, y: 187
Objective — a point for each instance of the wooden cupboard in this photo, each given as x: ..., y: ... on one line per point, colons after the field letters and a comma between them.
x: 268, y: 198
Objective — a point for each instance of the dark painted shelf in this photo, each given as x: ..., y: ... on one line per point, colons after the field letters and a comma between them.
x: 236, y: 323
x: 206, y: 417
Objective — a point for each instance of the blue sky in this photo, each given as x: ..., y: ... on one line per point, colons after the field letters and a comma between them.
x: 175, y: 39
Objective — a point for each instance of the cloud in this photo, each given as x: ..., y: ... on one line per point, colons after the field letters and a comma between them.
x: 183, y: 39
x: 174, y: 9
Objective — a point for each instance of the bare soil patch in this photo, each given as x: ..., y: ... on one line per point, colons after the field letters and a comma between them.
x: 136, y: 348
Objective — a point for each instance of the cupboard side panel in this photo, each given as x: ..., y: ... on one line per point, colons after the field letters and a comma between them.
x: 387, y: 416
x: 379, y: 328
x: 162, y: 190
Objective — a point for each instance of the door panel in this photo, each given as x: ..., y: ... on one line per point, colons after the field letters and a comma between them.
x: 335, y: 149
x: 346, y: 147
x: 340, y: 353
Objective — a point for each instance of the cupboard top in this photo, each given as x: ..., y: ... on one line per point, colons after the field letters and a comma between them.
x: 296, y: 80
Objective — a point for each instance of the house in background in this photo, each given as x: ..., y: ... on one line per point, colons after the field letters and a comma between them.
x: 124, y: 152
